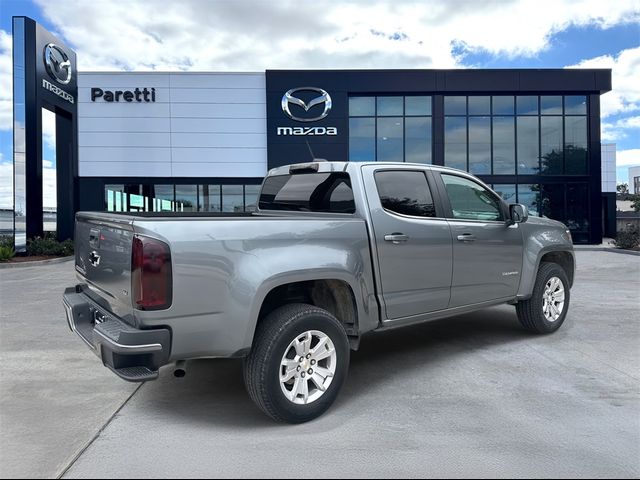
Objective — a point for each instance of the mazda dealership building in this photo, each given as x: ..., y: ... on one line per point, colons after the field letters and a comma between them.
x: 202, y: 142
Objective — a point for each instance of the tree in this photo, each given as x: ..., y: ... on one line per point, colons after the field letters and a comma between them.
x: 622, y: 188
x: 635, y: 203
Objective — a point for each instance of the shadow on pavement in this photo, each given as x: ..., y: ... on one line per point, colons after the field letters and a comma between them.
x: 213, y: 391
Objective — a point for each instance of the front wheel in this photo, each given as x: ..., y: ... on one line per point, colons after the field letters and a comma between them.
x: 298, y: 363
x: 547, y: 308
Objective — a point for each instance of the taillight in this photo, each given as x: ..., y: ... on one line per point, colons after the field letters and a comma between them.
x: 151, y: 276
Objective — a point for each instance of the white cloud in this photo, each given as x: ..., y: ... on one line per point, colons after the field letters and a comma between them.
x: 259, y: 34
x: 6, y: 81
x: 624, y: 97
x: 207, y: 35
x: 630, y: 122
x: 49, y: 129
x: 618, y: 130
x: 6, y: 184
x: 628, y: 158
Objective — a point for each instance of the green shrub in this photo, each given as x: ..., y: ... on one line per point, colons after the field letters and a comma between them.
x: 6, y: 241
x: 6, y: 252
x: 49, y: 246
x: 628, y: 238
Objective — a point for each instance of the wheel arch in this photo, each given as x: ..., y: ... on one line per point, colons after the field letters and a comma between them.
x: 563, y: 257
x: 333, y: 293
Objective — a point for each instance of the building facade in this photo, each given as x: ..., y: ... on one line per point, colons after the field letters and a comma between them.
x: 634, y: 180
x: 202, y: 142
x: 207, y: 140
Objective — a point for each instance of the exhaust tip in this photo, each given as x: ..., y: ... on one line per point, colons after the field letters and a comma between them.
x: 180, y: 369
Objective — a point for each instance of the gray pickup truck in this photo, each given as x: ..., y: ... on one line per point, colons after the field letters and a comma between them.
x: 335, y: 250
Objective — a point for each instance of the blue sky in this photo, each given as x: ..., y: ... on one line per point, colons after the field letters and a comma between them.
x: 255, y: 35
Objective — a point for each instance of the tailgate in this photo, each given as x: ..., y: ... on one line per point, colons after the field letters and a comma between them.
x: 103, y: 244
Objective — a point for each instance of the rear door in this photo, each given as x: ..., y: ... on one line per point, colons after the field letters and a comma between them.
x: 487, y: 251
x: 412, y: 239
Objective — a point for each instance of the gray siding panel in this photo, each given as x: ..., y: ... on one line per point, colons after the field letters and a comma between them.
x: 209, y: 125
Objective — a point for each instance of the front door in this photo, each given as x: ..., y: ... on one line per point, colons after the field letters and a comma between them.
x: 487, y: 251
x: 413, y: 241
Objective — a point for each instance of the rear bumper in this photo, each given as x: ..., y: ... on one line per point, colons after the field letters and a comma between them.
x: 134, y: 355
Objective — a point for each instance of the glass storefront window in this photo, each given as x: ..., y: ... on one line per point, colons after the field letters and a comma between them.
x: 208, y: 198
x: 541, y: 139
x: 163, y: 198
x: 137, y: 203
x: 551, y: 105
x: 110, y: 193
x: 577, y: 211
x: 506, y: 191
x: 479, y: 105
x: 575, y: 145
x: 527, y: 105
x: 551, y: 145
x: 390, y: 139
x: 502, y: 105
x: 362, y: 106
x: 390, y: 129
x: 455, y: 105
x: 528, y: 146
x: 479, y: 144
x: 362, y: 139
x: 417, y: 106
x: 232, y: 198
x: 251, y: 197
x: 455, y: 142
x: 186, y: 198
x: 552, y: 201
x: 575, y: 105
x: 504, y: 147
x: 529, y: 195
x: 389, y: 106
x: 417, y: 134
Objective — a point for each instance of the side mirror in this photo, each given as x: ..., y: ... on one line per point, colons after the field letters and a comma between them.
x: 518, y: 213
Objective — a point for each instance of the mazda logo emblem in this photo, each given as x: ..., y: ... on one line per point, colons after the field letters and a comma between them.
x: 289, y: 98
x: 57, y: 63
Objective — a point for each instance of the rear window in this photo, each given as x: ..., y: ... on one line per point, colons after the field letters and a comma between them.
x: 405, y: 192
x: 308, y: 192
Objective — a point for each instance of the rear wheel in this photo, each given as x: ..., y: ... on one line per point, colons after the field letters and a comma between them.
x: 547, y: 308
x: 298, y: 363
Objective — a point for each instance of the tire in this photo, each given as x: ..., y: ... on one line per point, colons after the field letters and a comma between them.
x: 531, y: 312
x: 272, y: 345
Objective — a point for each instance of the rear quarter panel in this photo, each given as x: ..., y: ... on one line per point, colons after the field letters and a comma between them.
x: 223, y: 269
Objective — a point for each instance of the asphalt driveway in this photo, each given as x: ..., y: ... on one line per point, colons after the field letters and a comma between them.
x: 470, y: 396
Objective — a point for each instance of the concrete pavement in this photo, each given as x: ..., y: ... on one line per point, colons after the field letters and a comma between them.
x: 54, y: 394
x: 469, y: 396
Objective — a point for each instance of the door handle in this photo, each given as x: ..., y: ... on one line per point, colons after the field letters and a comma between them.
x: 466, y: 237
x: 396, y: 238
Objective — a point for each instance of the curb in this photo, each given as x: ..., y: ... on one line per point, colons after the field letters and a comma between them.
x: 36, y: 263
x: 607, y: 249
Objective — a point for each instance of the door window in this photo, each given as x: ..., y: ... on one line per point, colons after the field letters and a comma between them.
x: 405, y: 192
x: 471, y: 201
